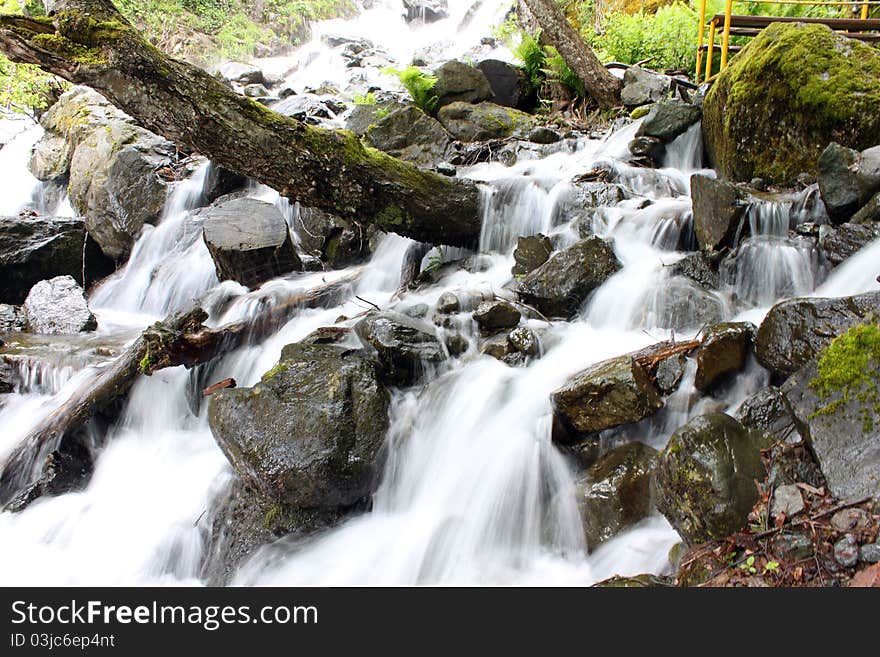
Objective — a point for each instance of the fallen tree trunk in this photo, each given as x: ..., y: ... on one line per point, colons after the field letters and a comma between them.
x: 89, y: 42
x: 57, y: 456
x: 556, y: 30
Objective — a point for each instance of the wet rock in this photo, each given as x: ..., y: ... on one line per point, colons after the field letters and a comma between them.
x: 220, y: 182
x: 249, y: 241
x: 256, y: 91
x: 700, y: 268
x: 448, y: 303
x: 634, y: 582
x: 846, y: 551
x: 38, y: 248
x: 57, y: 307
x: 668, y: 119
x: 426, y: 11
x: 669, y: 373
x: 795, y: 330
x: 410, y: 134
x: 458, y: 82
x: 405, y: 346
x: 457, y: 344
x: 840, y: 242
x: 706, y: 477
x: 792, y: 546
x: 240, y: 73
x: 680, y: 305
x: 494, y: 316
x: 615, y: 493
x: 649, y: 148
x: 849, y: 519
x: 509, y: 84
x: 768, y: 411
x: 605, y: 395
x: 869, y: 212
x: 525, y: 341
x: 531, y: 252
x: 724, y: 350
x: 498, y: 347
x: 718, y: 211
x: 306, y: 107
x: 12, y: 319
x: 483, y: 121
x: 781, y: 63
x: 310, y: 433
x: 8, y: 376
x: 843, y: 434
x: 334, y: 240
x: 641, y: 87
x: 559, y: 287
x: 362, y: 117
x: 327, y: 335
x: 870, y: 553
x: 838, y: 180
x: 787, y: 500
x: 543, y: 135
x: 112, y: 166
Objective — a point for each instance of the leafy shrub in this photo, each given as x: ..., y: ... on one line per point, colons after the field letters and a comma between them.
x: 542, y: 63
x: 420, y: 86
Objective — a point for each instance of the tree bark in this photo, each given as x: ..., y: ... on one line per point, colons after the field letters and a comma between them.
x: 89, y: 42
x: 556, y: 30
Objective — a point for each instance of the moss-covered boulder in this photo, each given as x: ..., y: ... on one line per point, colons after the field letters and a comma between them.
x: 791, y: 91
x: 705, y: 482
x: 467, y: 122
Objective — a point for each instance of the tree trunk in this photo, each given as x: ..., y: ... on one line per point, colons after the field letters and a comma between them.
x: 556, y: 30
x: 89, y: 42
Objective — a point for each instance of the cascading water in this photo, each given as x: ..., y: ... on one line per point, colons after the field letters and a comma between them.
x: 473, y: 490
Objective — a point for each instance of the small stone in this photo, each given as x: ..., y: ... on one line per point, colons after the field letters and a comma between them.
x: 496, y: 315
x: 846, y: 551
x: 418, y: 311
x: 870, y: 553
x: 524, y: 341
x: 457, y: 344
x: 787, y: 500
x: 792, y: 546
x: 669, y: 373
x: 544, y: 135
x: 849, y: 519
x: 448, y: 303
x: 531, y: 252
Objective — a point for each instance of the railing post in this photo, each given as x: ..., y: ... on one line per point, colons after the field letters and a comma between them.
x: 709, y: 50
x: 701, y: 31
x: 865, y: 11
x: 725, y: 41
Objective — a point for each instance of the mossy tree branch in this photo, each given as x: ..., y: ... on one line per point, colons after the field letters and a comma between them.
x: 89, y: 42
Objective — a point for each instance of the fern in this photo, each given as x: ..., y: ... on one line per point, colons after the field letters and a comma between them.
x: 420, y: 86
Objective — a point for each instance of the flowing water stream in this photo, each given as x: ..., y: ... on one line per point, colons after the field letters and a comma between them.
x: 473, y: 491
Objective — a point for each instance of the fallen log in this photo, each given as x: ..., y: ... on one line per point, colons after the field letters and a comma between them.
x: 58, y: 455
x: 89, y: 42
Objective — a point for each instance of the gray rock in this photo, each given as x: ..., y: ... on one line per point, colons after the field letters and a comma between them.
x: 699, y: 268
x: 410, y: 134
x: 840, y: 242
x: 605, y: 395
x: 58, y: 306
x: 362, y: 117
x: 427, y: 11
x: 847, y: 179
x: 870, y: 553
x: 240, y: 72
x: 706, y: 475
x: 249, y: 241
x: 787, y: 500
x: 650, y: 149
x: 482, y: 121
x: 544, y: 135
x: 795, y: 330
x: 668, y: 119
x: 531, y: 252
x: 12, y: 319
x: 723, y: 351
x: 718, y: 207
x: 559, y: 287
x: 509, y: 84
x: 525, y: 341
x: 848, y: 519
x: 792, y: 546
x: 310, y: 433
x: 306, y: 107
x: 494, y: 316
x: 869, y: 212
x: 39, y: 248
x: 256, y: 91
x: 768, y: 411
x: 615, y: 493
x: 669, y: 373
x: 8, y: 376
x: 641, y: 87
x: 406, y: 347
x: 334, y: 240
x: 458, y: 82
x: 846, y: 551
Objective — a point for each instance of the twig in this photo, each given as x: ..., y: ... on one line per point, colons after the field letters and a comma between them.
x: 368, y: 302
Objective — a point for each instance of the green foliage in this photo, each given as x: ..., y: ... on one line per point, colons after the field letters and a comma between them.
x: 420, y: 86
x: 368, y: 98
x: 558, y: 69
x: 542, y: 63
x: 435, y: 260
x: 749, y: 565
x: 666, y: 39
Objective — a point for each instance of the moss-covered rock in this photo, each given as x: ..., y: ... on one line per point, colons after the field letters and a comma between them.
x: 791, y: 91
x: 467, y: 122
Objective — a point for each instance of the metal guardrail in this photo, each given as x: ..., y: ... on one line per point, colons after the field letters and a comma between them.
x: 707, y: 44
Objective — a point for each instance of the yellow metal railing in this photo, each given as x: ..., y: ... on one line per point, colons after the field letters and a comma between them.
x: 707, y: 45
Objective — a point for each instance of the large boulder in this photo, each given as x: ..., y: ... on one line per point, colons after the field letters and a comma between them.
x: 111, y: 164
x: 718, y: 211
x: 840, y: 242
x: 458, y: 82
x: 791, y: 91
x: 836, y: 402
x: 310, y: 433
x: 699, y: 268
x: 249, y: 241
x: 510, y: 85
x: 769, y: 411
x: 426, y: 11
x: 668, y: 119
x: 407, y: 347
x: 483, y: 121
x: 332, y: 239
x: 705, y: 481
x: 240, y: 73
x: 795, y: 330
x: 616, y: 492
x: 559, y: 287
x: 723, y: 351
x: 641, y: 87
x: 848, y: 179
x: 34, y: 249
x: 58, y: 306
x: 410, y: 134
x: 605, y: 395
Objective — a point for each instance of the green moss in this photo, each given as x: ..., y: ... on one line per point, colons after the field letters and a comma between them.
x: 849, y: 368
x: 280, y: 367
x: 146, y: 363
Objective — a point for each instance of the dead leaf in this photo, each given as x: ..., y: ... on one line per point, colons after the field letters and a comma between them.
x: 867, y: 577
